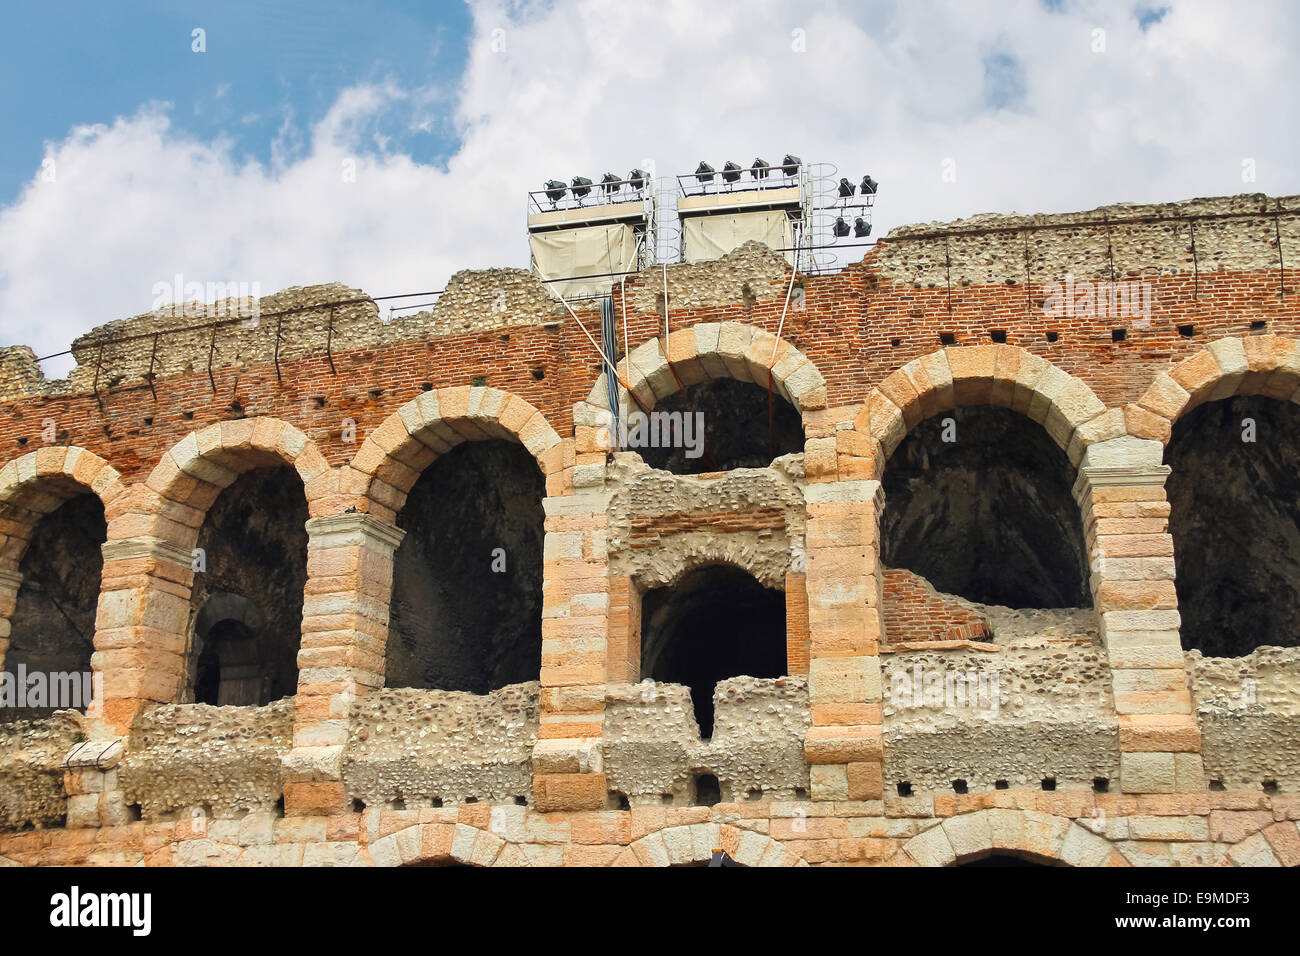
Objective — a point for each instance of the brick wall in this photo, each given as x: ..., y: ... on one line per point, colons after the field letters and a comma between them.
x: 915, y: 611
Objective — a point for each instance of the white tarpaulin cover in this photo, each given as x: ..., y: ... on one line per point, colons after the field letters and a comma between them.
x: 590, y: 250
x: 711, y: 237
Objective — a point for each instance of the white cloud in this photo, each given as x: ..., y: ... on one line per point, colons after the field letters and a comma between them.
x: 581, y: 87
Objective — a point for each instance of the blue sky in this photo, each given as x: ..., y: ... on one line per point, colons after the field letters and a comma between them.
x: 386, y: 145
x: 265, y: 65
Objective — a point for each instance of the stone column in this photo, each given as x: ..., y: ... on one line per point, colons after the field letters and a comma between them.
x: 568, y: 772
x: 10, y: 582
x: 344, y: 637
x: 1121, y: 492
x: 844, y: 583
x: 141, y: 626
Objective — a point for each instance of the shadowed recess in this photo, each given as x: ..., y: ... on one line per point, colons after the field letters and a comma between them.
x: 248, y: 603
x: 736, y: 432
x: 53, y: 623
x: 467, y: 578
x: 1235, y: 520
x: 979, y: 502
x: 716, y: 622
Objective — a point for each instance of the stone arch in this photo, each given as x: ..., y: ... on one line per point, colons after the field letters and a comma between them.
x: 1275, y: 845
x: 426, y: 844
x: 695, y: 843
x: 31, y: 487
x: 1003, y: 375
x: 1038, y: 835
x: 141, y: 632
x: 712, y: 350
x: 390, y: 460
x: 193, y: 472
x: 35, y: 484
x: 1267, y: 365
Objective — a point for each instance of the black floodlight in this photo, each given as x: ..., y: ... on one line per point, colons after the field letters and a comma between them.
x: 846, y: 188
x: 760, y: 169
x: 555, y: 190
x: 841, y: 228
x: 609, y: 184
x: 790, y: 164
x: 637, y: 178
x: 861, y: 228
x: 730, y: 171
x: 581, y: 186
x: 869, y: 186
x: 704, y: 173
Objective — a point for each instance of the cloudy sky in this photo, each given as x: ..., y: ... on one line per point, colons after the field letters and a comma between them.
x: 135, y: 149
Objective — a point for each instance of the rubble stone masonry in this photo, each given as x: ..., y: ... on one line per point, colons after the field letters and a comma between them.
x: 1108, y: 743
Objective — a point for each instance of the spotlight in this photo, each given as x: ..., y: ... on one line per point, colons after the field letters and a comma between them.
x: 704, y: 173
x: 609, y: 184
x: 869, y: 186
x: 637, y: 178
x: 581, y: 186
x: 790, y: 164
x: 861, y: 228
x: 730, y: 171
x: 555, y: 190
x: 760, y: 169
x: 841, y: 228
x: 846, y: 188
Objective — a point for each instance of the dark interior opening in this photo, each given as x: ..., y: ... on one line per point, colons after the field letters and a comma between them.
x: 716, y: 622
x: 467, y: 578
x: 979, y: 501
x: 248, y: 601
x: 1235, y: 519
x: 52, y: 628
x: 736, y: 428
x: 1005, y: 859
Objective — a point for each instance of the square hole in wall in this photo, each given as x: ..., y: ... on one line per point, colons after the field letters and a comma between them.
x: 1187, y: 331
x: 1053, y: 336
x: 895, y: 343
x: 1118, y: 335
x: 947, y: 338
x: 904, y: 789
x: 1000, y: 785
x: 999, y: 336
x: 959, y: 786
x: 1258, y: 325
x: 479, y: 381
x: 1100, y: 785
x: 1270, y: 786
x: 1217, y: 785
x: 1049, y: 783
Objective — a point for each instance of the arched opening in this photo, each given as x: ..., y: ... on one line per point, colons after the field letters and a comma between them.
x: 248, y: 591
x: 716, y: 622
x: 466, y: 613
x: 52, y: 628
x: 1006, y: 858
x: 719, y: 425
x: 1234, y: 498
x: 979, y: 501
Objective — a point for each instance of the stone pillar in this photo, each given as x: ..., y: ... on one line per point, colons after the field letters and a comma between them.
x: 844, y: 587
x: 344, y: 637
x: 141, y: 627
x: 1121, y: 492
x: 568, y: 771
x: 10, y: 582
x: 90, y: 779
